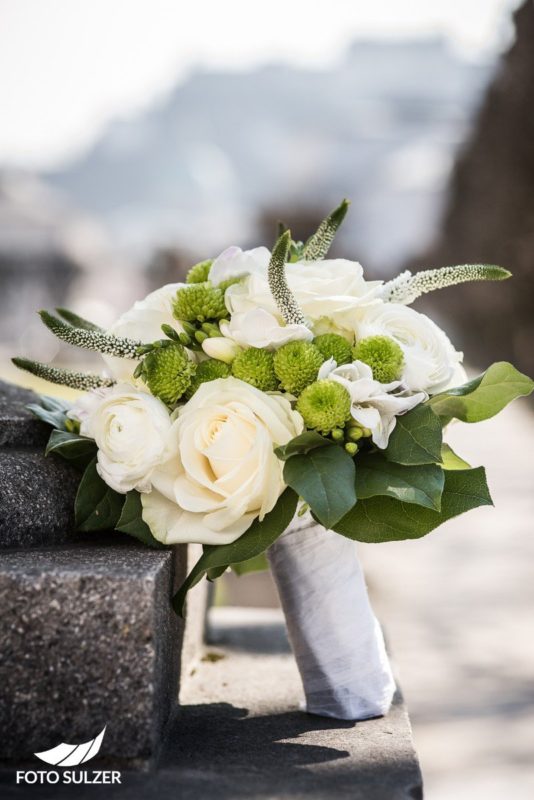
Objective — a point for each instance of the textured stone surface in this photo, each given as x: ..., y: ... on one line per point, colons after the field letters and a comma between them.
x: 18, y: 426
x: 241, y: 734
x: 88, y: 639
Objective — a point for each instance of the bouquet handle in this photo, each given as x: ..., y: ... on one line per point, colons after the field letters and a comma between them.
x: 336, y: 639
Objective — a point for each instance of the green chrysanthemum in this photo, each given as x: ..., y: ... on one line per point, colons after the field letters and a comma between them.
x: 324, y: 405
x: 199, y: 272
x: 199, y: 302
x: 296, y: 365
x: 208, y: 370
x: 167, y: 371
x: 332, y: 345
x: 383, y: 355
x: 256, y: 367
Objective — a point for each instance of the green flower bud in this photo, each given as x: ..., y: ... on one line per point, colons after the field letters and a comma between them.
x: 383, y: 355
x: 354, y: 433
x: 337, y: 435
x: 167, y: 371
x: 351, y: 448
x: 296, y: 365
x: 256, y: 367
x: 332, y: 345
x: 208, y: 370
x: 199, y: 272
x: 324, y: 405
x: 199, y: 302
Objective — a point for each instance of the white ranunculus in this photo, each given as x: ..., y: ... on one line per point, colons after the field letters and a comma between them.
x: 259, y: 328
x: 430, y: 360
x: 143, y: 322
x: 235, y: 263
x: 333, y: 288
x: 221, y: 472
x: 130, y: 428
x: 374, y: 405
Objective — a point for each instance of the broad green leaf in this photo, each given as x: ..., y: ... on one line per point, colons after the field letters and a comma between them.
x: 451, y: 460
x: 383, y: 519
x: 256, y: 564
x: 51, y: 410
x: 484, y: 396
x: 416, y: 439
x: 79, y: 450
x: 309, y: 440
x: 216, y: 572
x: 259, y: 537
x: 97, y: 507
x: 421, y: 484
x: 131, y: 521
x: 324, y: 477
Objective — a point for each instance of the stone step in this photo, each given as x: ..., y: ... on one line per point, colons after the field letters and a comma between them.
x: 239, y: 733
x: 89, y: 639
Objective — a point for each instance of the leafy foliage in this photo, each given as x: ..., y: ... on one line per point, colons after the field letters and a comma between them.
x: 79, y: 450
x: 131, y: 521
x: 420, y: 484
x: 416, y: 439
x: 51, y: 410
x: 97, y: 507
x: 385, y: 519
x: 302, y: 443
x: 324, y: 477
x: 259, y: 537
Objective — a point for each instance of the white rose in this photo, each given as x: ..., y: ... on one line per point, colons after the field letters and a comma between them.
x: 259, y: 328
x: 333, y: 288
x: 221, y: 473
x: 430, y: 360
x: 143, y: 322
x: 130, y: 428
x: 374, y: 406
x: 235, y: 263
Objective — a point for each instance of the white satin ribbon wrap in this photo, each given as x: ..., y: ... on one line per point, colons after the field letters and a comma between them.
x: 336, y: 639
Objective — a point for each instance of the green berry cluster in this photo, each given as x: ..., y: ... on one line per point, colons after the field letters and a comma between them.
x: 296, y: 365
x: 383, y: 355
x: 168, y: 371
x: 324, y: 406
x: 332, y: 345
x: 256, y: 367
x: 199, y: 272
x: 199, y: 302
x: 208, y: 370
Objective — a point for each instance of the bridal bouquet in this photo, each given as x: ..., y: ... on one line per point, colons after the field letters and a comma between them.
x: 266, y: 380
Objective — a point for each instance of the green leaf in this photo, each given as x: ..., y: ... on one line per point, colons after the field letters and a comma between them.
x: 383, y: 519
x: 131, y: 521
x: 421, y: 484
x: 451, y: 460
x: 50, y: 410
x: 302, y: 443
x: 97, y: 507
x: 484, y: 396
x: 324, y: 477
x: 259, y: 537
x: 416, y: 439
x: 256, y: 564
x: 215, y: 572
x: 79, y: 450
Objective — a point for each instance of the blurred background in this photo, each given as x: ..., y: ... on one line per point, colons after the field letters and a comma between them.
x: 139, y: 137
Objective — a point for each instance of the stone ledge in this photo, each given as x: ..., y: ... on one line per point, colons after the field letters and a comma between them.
x: 18, y: 426
x: 89, y: 639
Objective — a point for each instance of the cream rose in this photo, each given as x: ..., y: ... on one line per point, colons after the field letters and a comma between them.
x: 130, y: 428
x: 221, y: 472
x: 333, y: 288
x: 430, y: 360
x: 143, y: 322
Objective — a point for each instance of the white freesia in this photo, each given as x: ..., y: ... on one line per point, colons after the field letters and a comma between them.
x: 259, y: 328
x: 221, y: 348
x: 374, y: 405
x: 430, y: 360
x: 143, y: 322
x: 130, y: 428
x: 235, y: 263
x: 333, y: 289
x: 221, y: 472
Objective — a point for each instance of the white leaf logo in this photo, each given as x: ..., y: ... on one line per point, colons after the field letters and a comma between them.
x: 70, y: 755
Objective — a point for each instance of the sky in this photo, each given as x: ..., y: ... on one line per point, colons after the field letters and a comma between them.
x: 68, y: 67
